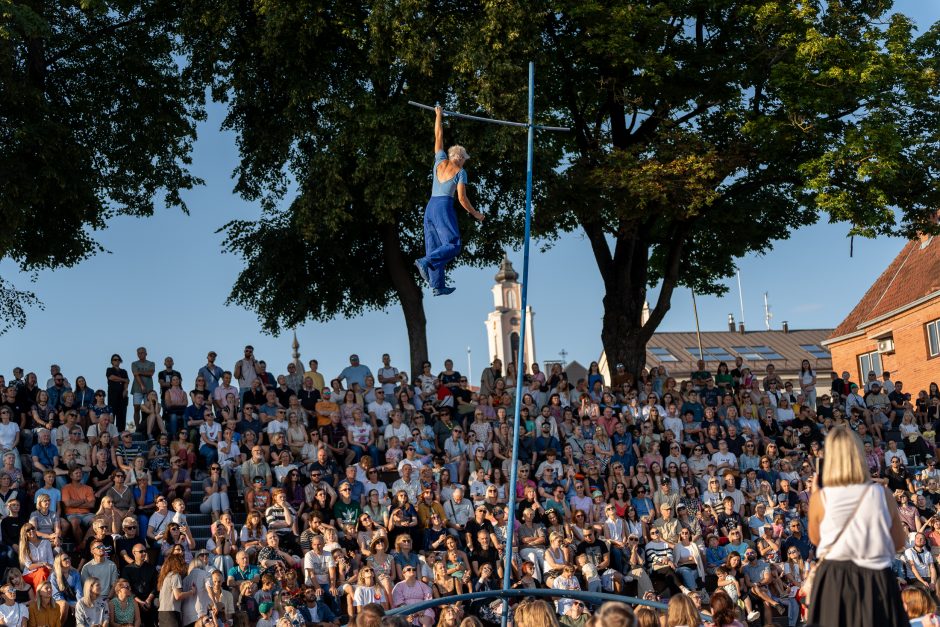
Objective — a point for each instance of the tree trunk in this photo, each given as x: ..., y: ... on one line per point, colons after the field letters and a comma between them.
x: 626, y: 274
x: 623, y: 337
x: 399, y: 269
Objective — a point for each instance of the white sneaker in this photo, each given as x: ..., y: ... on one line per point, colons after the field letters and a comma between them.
x: 752, y: 616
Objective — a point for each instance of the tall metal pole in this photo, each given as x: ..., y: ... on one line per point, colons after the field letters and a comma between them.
x: 698, y: 331
x: 520, y: 364
x: 469, y: 368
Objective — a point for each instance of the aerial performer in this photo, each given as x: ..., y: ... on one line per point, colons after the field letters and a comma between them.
x: 441, y: 234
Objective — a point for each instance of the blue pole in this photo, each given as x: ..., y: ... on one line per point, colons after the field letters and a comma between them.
x: 520, y: 363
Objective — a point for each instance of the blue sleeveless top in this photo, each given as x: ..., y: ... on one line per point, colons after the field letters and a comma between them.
x: 449, y: 187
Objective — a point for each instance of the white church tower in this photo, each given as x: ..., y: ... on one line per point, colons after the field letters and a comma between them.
x: 502, y: 325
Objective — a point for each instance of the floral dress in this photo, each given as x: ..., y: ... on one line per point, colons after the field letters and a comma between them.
x: 161, y: 459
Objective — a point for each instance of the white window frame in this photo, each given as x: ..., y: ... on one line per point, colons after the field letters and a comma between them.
x: 933, y: 338
x: 869, y: 358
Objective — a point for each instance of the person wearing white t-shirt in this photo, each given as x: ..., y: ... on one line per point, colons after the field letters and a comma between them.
x: 921, y: 565
x: 209, y: 434
x: 9, y: 431
x: 230, y: 454
x: 278, y: 424
x: 319, y: 567
x: 380, y: 408
x: 396, y: 428
x: 674, y: 424
x: 724, y: 458
x: 13, y: 613
x: 893, y: 452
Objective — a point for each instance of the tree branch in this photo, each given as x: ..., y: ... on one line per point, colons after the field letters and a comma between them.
x: 648, y: 127
x: 670, y: 278
x: 93, y: 37
x: 595, y: 234
x: 697, y: 111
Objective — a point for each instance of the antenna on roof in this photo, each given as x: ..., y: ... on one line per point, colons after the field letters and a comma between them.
x: 767, y: 314
x: 741, y: 295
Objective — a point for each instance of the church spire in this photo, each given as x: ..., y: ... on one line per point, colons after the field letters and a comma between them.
x: 506, y: 271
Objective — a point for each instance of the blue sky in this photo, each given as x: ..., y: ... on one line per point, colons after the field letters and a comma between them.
x: 164, y: 282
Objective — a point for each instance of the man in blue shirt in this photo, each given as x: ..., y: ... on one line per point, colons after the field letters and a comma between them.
x: 56, y: 390
x: 356, y: 487
x: 354, y: 373
x: 242, y: 571
x: 45, y: 455
x: 546, y: 441
x: 622, y: 457
x: 210, y: 373
x: 797, y: 540
x: 194, y: 413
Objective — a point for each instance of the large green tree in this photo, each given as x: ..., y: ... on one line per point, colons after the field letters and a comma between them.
x: 96, y: 120
x: 705, y: 130
x: 317, y: 92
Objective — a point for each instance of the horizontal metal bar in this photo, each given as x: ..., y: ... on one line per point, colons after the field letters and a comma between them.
x: 477, y: 118
x: 594, y: 598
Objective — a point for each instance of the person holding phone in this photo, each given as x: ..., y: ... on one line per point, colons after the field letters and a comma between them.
x: 857, y: 529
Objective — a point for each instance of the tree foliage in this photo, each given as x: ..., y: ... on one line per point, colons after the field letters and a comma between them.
x: 317, y: 92
x: 709, y: 129
x: 96, y: 120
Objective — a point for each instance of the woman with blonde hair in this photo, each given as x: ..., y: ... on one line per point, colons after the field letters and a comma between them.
x: 36, y: 556
x: 12, y: 612
x: 92, y: 608
x: 857, y: 529
x: 111, y: 516
x: 681, y: 612
x: 535, y: 613
x: 66, y: 584
x: 43, y: 610
x: 366, y: 590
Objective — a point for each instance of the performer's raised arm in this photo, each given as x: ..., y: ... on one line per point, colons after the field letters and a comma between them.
x: 438, y: 129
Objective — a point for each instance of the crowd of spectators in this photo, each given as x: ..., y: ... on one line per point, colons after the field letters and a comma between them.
x: 259, y: 499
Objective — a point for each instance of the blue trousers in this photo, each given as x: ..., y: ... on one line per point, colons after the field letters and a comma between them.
x: 441, y: 237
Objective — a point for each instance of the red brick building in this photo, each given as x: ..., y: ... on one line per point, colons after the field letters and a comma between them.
x: 896, y: 324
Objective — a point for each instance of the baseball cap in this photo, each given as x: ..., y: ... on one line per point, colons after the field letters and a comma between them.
x: 265, y: 607
x: 597, y: 493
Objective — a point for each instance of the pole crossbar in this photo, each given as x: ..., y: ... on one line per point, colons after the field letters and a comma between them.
x: 477, y: 118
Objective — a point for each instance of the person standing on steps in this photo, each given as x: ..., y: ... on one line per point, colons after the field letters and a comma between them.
x: 441, y: 234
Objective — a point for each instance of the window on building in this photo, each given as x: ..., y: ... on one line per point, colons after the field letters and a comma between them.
x: 757, y: 353
x: 816, y: 351
x: 869, y: 362
x: 712, y: 353
x: 933, y: 338
x: 662, y: 355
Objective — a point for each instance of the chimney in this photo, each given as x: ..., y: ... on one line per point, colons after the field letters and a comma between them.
x: 741, y: 328
x: 786, y: 327
x: 731, y: 323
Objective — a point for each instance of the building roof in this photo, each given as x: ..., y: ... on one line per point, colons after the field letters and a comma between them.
x: 787, y: 350
x: 913, y: 277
